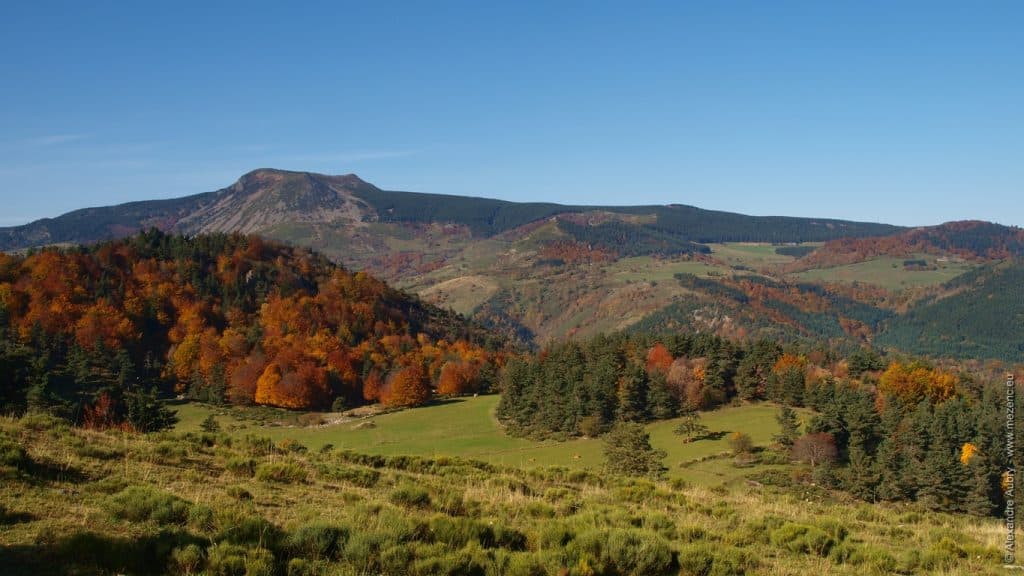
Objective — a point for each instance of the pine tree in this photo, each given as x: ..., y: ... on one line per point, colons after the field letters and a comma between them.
x: 941, y: 480
x: 632, y: 394
x: 982, y: 487
x: 862, y: 476
x: 660, y: 403
x: 628, y: 451
x: 146, y: 413
x: 789, y: 427
x: 753, y: 370
x: 892, y: 463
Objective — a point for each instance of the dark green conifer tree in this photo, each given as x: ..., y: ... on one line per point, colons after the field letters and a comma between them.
x: 628, y: 451
x: 632, y: 395
x: 789, y: 427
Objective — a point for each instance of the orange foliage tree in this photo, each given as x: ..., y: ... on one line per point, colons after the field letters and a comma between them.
x: 659, y: 359
x: 407, y: 386
x: 457, y: 378
x: 915, y: 381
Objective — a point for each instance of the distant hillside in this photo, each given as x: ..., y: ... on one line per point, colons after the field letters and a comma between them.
x: 269, y: 201
x: 542, y: 271
x: 981, y: 316
x: 968, y: 239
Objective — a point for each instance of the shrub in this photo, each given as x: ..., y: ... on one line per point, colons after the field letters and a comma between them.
x: 639, y: 552
x: 316, y: 541
x: 244, y: 467
x: 706, y: 559
x: 187, y: 560
x: 553, y: 536
x: 288, y: 445
x: 364, y: 549
x: 170, y: 452
x: 210, y: 425
x: 239, y: 493
x: 458, y: 532
x: 450, y: 502
x: 802, y: 538
x: 511, y: 484
x: 259, y: 446
x: 536, y: 509
x: 523, y: 564
x: 508, y: 538
x: 691, y: 534
x: 42, y: 422
x: 234, y: 525
x: 410, y: 496
x: 660, y: 524
x: 109, y: 485
x: 283, y: 472
x: 225, y: 560
x: 142, y: 503
x: 772, y: 477
x: 635, y: 491
x: 740, y: 443
x: 200, y: 518
x: 466, y: 562
x: 12, y: 456
x: 361, y: 477
x: 856, y: 555
x: 942, y: 555
x: 301, y: 567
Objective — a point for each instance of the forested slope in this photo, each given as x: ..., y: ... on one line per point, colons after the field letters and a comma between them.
x: 85, y: 331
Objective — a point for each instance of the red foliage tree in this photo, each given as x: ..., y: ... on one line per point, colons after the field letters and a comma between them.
x: 659, y: 358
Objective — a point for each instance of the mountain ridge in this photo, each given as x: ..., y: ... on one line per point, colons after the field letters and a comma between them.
x: 546, y: 271
x: 312, y: 197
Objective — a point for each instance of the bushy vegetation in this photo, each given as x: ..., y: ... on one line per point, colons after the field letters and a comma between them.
x: 136, y: 515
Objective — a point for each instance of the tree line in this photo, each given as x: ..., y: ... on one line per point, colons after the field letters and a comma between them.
x: 891, y: 429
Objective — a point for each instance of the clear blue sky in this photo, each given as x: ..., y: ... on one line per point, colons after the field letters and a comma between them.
x: 903, y: 112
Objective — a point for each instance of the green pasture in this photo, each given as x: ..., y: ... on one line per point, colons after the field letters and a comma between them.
x: 467, y: 428
x: 887, y: 272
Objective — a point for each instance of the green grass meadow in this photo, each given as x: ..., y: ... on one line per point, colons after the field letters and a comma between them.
x: 466, y: 427
x: 887, y: 272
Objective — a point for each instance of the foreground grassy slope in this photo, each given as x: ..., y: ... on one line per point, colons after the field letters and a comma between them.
x: 81, y: 502
x: 466, y: 428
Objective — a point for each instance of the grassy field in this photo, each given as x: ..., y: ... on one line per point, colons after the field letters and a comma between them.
x: 647, y: 268
x: 76, y: 501
x: 751, y: 255
x: 466, y: 428
x: 888, y: 273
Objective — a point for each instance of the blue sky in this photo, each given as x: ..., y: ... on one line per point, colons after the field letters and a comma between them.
x: 904, y: 112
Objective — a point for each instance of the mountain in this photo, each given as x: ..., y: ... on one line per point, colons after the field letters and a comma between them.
x: 979, y: 314
x: 545, y: 270
x: 967, y: 239
x: 270, y: 201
